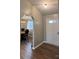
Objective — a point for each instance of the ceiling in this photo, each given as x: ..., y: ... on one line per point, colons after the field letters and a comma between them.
x: 52, y: 6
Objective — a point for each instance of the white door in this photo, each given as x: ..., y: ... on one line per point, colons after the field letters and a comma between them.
x: 52, y: 31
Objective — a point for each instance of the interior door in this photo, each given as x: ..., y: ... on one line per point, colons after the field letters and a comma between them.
x: 52, y: 31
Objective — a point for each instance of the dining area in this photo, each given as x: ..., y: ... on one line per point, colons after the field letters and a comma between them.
x: 24, y: 34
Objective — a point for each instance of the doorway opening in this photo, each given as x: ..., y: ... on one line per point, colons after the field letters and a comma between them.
x: 27, y: 30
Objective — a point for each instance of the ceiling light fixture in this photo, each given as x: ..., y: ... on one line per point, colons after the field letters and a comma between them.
x: 45, y: 5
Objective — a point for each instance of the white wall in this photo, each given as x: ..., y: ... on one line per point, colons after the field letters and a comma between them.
x: 38, y: 25
x: 50, y: 30
x: 25, y: 8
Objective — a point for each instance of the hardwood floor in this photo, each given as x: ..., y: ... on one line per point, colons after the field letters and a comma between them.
x: 45, y: 51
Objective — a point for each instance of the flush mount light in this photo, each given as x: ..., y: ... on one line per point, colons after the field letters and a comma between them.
x: 45, y: 5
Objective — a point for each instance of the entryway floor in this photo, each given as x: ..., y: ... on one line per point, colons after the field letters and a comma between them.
x: 45, y: 51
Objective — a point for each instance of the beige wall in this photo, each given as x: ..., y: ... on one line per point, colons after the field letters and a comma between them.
x: 25, y: 7
x: 38, y: 25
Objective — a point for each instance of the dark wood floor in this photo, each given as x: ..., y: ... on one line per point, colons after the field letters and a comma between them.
x: 45, y: 51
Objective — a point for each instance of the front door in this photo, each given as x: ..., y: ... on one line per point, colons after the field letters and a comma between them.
x: 52, y: 31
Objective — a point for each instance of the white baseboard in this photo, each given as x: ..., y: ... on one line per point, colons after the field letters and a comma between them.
x: 41, y: 44
x: 49, y: 43
x: 37, y: 46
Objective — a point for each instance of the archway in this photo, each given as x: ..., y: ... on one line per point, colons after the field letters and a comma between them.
x: 27, y: 22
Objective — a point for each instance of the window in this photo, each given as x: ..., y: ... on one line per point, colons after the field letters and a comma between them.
x: 30, y: 24
x: 51, y: 21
